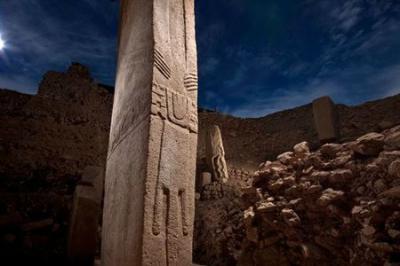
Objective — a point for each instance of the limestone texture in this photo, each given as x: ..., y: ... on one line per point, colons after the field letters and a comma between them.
x: 341, y: 206
x: 151, y: 165
x: 85, y: 218
x: 216, y: 155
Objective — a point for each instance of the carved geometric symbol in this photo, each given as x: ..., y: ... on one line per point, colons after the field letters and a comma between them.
x: 177, y: 108
x: 161, y: 64
x: 191, y: 82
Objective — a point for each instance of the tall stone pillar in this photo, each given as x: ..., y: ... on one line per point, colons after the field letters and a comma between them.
x: 150, y: 176
x: 216, y: 155
x: 324, y: 113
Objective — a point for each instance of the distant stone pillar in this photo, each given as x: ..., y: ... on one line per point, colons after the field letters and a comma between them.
x: 150, y: 177
x: 205, y: 179
x: 324, y: 112
x: 216, y: 155
x: 86, y: 211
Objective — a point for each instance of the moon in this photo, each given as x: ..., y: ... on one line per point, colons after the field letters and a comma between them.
x: 2, y: 44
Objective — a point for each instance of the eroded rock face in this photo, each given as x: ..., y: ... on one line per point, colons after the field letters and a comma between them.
x: 59, y: 131
x: 219, y: 228
x: 46, y: 142
x: 369, y: 144
x: 339, y: 205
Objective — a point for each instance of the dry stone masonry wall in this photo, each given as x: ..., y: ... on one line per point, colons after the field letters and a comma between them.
x: 39, y: 172
x: 339, y: 205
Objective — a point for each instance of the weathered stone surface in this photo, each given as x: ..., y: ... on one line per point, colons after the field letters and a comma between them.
x: 330, y: 207
x: 394, y: 168
x: 206, y: 179
x: 216, y: 155
x: 329, y: 150
x: 325, y: 119
x: 58, y: 131
x: 37, y: 225
x: 149, y: 190
x: 301, y: 149
x: 84, y: 224
x: 94, y: 176
x: 86, y: 211
x: 392, y: 140
x: 369, y: 144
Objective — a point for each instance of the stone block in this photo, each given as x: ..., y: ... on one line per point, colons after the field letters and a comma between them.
x: 83, y: 231
x: 325, y: 119
x: 205, y: 179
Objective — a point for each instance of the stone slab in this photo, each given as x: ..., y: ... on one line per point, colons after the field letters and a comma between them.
x: 325, y: 119
x: 84, y: 225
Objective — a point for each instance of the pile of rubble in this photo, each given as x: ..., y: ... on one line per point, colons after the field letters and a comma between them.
x: 339, y: 205
x: 218, y: 231
x: 212, y: 191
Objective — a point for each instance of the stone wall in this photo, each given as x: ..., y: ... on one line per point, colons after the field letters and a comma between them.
x: 248, y: 142
x: 57, y: 132
x: 72, y: 107
x: 336, y: 206
x: 47, y: 140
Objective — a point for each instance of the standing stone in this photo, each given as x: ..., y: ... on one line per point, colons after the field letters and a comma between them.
x: 86, y: 211
x: 206, y: 179
x: 216, y: 155
x: 150, y: 176
x: 325, y: 119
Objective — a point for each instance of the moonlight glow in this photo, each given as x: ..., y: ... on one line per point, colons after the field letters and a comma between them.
x: 1, y: 44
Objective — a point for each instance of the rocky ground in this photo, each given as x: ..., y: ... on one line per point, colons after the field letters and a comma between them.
x: 218, y: 233
x: 333, y: 205
x: 339, y: 205
x: 34, y: 219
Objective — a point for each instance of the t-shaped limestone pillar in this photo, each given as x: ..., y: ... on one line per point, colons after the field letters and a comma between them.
x: 149, y: 189
x: 216, y: 155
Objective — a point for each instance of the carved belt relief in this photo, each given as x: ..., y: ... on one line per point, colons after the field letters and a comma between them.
x: 174, y: 107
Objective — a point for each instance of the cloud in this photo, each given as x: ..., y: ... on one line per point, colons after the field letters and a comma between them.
x: 384, y: 31
x: 284, y: 98
x: 348, y: 14
x: 353, y: 85
x: 210, y: 65
x: 42, y: 36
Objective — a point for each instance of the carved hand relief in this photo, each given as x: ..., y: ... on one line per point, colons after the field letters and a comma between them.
x: 174, y: 202
x: 175, y: 107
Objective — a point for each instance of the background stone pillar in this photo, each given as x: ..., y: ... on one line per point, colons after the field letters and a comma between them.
x: 325, y: 119
x: 150, y: 176
x: 216, y: 155
x: 86, y: 211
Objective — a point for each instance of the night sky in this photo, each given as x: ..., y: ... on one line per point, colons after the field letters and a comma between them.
x: 255, y: 56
